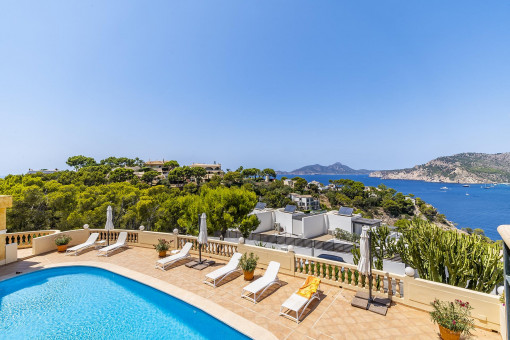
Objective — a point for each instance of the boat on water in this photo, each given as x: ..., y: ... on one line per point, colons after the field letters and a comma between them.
x: 444, y: 188
x: 466, y: 185
x: 467, y: 194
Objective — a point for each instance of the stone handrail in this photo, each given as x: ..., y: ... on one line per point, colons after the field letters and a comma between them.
x: 346, y: 275
x: 213, y: 247
x: 24, y: 239
x: 132, y: 235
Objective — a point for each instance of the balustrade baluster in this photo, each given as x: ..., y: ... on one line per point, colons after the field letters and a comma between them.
x: 397, y: 288
x: 390, y: 285
x: 381, y: 283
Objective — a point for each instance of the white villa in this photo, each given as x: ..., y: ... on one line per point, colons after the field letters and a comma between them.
x: 310, y: 225
x: 305, y: 202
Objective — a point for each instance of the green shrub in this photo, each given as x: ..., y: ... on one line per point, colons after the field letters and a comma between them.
x: 163, y: 245
x: 248, y: 263
x: 346, y: 236
x: 63, y: 240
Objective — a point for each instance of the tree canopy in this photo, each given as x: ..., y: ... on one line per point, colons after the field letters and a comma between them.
x: 80, y: 161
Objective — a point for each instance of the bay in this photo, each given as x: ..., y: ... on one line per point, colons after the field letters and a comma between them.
x: 474, y: 206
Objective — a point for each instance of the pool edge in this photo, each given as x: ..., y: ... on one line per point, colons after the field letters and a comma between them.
x: 217, y: 311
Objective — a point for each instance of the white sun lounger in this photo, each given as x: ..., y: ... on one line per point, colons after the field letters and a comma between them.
x: 215, y: 277
x: 121, y: 242
x: 296, y: 303
x: 167, y: 261
x: 91, y: 241
x: 260, y: 285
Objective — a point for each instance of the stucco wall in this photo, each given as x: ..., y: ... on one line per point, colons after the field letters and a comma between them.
x: 266, y: 219
x: 286, y: 259
x: 339, y: 221
x: 5, y: 202
x: 418, y: 293
x: 285, y: 220
x: 45, y: 244
x: 313, y: 226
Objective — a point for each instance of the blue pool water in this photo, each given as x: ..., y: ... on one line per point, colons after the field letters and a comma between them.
x: 481, y: 208
x: 90, y: 303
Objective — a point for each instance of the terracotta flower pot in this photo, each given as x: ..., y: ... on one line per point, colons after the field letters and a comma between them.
x: 447, y: 334
x: 248, y: 276
x: 62, y: 248
x: 162, y: 253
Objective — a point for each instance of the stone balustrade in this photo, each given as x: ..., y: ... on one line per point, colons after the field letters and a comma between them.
x: 347, y: 276
x: 113, y: 235
x: 213, y: 247
x: 24, y: 239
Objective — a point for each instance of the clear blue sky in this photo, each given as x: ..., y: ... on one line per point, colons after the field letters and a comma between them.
x: 281, y: 84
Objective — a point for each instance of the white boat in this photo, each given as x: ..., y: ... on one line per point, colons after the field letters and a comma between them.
x: 444, y: 188
x: 466, y: 185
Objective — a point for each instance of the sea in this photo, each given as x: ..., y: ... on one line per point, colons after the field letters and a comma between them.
x: 476, y: 206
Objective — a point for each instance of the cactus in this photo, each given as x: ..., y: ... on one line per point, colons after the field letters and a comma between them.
x: 447, y: 256
x: 382, y: 247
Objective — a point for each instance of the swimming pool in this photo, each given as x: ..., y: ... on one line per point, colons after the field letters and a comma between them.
x: 83, y: 302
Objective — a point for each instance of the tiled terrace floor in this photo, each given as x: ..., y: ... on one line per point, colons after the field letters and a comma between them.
x: 331, y: 318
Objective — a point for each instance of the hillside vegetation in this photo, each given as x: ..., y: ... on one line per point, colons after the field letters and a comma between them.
x: 460, y: 168
x: 333, y: 169
x: 69, y: 199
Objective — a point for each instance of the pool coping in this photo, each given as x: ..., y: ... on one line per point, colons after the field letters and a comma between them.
x: 223, y: 314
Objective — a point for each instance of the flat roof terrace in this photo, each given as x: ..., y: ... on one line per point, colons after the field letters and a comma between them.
x: 331, y: 318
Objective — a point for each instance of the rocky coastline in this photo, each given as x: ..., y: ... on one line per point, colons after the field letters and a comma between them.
x: 466, y: 168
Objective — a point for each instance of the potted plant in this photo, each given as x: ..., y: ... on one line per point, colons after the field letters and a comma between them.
x: 162, y: 247
x: 62, y: 242
x: 248, y: 265
x: 453, y: 318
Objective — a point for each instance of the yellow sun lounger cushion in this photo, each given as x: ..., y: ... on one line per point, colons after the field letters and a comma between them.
x: 309, y: 287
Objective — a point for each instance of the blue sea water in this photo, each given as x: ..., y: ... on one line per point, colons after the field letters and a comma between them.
x: 90, y: 303
x: 481, y: 208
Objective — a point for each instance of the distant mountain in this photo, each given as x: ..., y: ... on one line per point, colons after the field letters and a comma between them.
x: 333, y: 169
x: 461, y: 168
